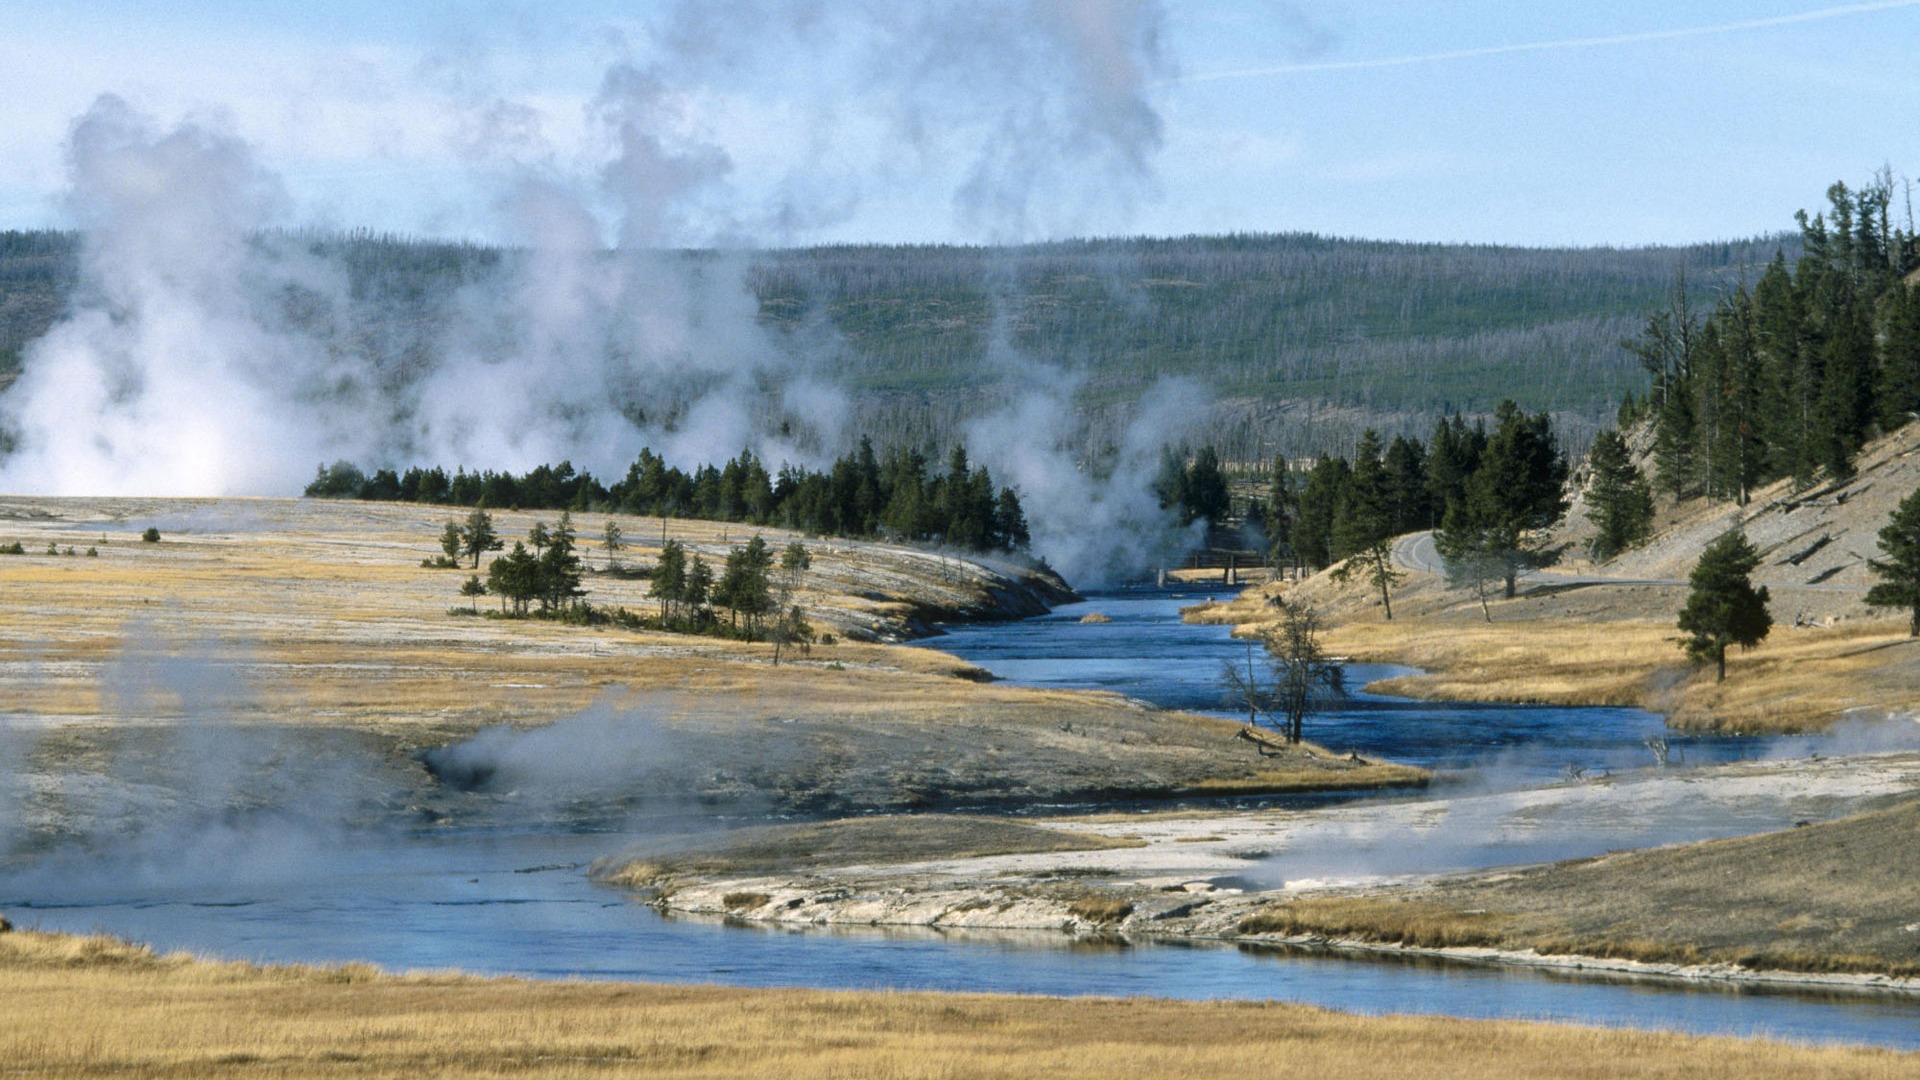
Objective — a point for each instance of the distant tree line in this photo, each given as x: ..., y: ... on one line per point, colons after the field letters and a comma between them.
x: 1791, y: 377
x: 861, y: 495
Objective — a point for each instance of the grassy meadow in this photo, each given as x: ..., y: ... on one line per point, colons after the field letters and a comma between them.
x: 83, y: 1007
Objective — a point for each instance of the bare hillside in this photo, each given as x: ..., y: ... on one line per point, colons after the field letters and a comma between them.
x: 1814, y: 544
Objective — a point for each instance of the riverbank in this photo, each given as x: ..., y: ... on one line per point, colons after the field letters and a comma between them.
x: 91, y: 1006
x: 309, y: 630
x: 1827, y: 903
x: 1599, y: 643
x: 1580, y: 633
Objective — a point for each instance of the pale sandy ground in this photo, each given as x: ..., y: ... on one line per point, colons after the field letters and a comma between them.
x: 1201, y: 874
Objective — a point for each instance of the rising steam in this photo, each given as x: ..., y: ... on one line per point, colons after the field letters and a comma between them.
x: 210, y: 352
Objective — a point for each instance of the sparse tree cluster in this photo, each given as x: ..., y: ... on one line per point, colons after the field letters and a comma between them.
x: 1494, y: 529
x: 544, y: 571
x: 1492, y: 495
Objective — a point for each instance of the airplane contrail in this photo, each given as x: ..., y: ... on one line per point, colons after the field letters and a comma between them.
x: 1545, y: 46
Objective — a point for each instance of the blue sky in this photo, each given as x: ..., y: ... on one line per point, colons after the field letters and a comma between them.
x: 1539, y: 123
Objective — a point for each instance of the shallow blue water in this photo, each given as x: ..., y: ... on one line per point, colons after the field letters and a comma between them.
x: 500, y: 901
x: 484, y: 903
x: 1145, y: 652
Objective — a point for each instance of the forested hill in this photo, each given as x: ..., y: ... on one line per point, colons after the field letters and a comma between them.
x: 1304, y: 339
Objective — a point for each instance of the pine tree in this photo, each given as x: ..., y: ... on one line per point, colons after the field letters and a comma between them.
x: 1899, y: 585
x: 1514, y: 496
x: 1846, y: 406
x: 1363, y: 522
x: 1206, y: 490
x: 560, y: 572
x: 669, y: 584
x: 1453, y: 456
x: 1724, y: 607
x: 1407, y: 491
x: 745, y: 586
x: 452, y: 541
x: 1619, y: 501
x: 515, y: 578
x: 478, y: 535
x: 473, y: 589
x: 610, y: 542
x: 1313, y: 536
x: 1898, y: 394
x: 1788, y: 385
x: 1281, y: 512
x: 699, y: 592
x: 1010, y: 522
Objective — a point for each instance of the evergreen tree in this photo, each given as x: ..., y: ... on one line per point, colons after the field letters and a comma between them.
x: 699, y: 592
x: 452, y: 541
x: 1674, y: 462
x: 1724, y: 607
x: 473, y: 589
x: 1010, y: 522
x: 515, y: 578
x: 560, y: 568
x: 478, y: 535
x: 1514, y: 496
x: 1898, y: 393
x: 1319, y: 498
x: 1619, y: 501
x: 1453, y: 457
x: 1736, y: 456
x: 1789, y: 384
x: 1280, y: 514
x: 1899, y: 573
x: 669, y: 584
x: 1206, y: 497
x: 610, y: 542
x: 1363, y: 522
x: 794, y: 564
x: 1846, y: 404
x: 745, y: 587
x: 1407, y: 492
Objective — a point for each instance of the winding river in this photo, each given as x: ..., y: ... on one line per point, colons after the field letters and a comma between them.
x: 512, y: 902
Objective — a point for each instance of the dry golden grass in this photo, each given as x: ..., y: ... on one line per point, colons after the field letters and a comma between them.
x: 1283, y: 781
x: 1799, y: 679
x: 1100, y: 910
x: 1406, y: 922
x: 1597, y: 652
x: 1833, y: 897
x: 320, y: 614
x: 76, y: 1007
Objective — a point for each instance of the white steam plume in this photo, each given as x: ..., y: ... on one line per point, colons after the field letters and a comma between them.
x: 206, y: 355
x: 166, y: 377
x: 1096, y: 527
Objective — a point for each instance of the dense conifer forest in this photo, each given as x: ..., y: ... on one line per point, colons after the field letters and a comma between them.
x: 1303, y: 340
x: 1790, y: 375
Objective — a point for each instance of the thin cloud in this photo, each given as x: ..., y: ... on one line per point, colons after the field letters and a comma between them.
x: 1603, y: 41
